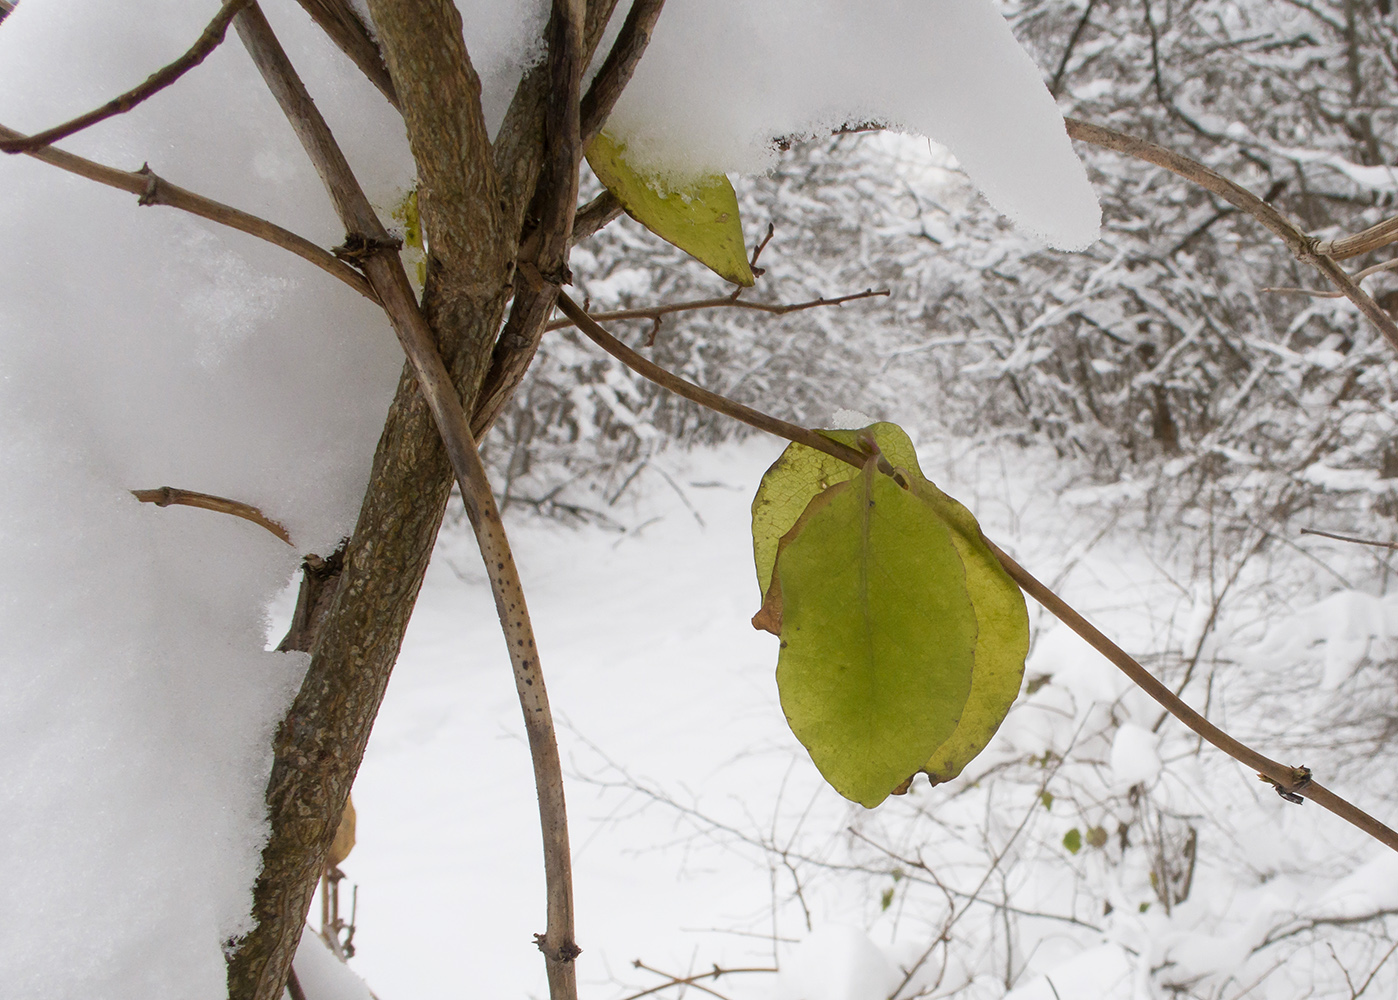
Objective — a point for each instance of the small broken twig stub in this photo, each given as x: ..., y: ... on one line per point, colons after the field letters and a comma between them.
x: 166, y: 496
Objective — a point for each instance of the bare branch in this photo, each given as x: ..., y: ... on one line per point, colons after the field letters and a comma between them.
x: 1292, y: 781
x: 595, y: 215
x: 713, y: 973
x: 542, y: 265
x: 165, y: 496
x: 341, y: 22
x: 1387, y: 265
x: 211, y: 38
x: 288, y: 887
x: 621, y: 62
x: 1348, y: 538
x: 1302, y: 246
x: 155, y: 190
x: 1373, y: 238
x: 725, y: 302
x: 649, y: 369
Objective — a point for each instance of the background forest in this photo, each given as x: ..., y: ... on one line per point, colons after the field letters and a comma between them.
x: 1152, y: 425
x: 1169, y: 411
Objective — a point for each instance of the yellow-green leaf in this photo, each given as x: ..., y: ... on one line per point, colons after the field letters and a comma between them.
x: 878, y: 636
x: 1002, y: 637
x: 701, y: 218
x: 801, y: 473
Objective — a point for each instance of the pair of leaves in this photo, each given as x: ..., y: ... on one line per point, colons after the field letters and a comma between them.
x: 701, y: 217
x: 903, y: 639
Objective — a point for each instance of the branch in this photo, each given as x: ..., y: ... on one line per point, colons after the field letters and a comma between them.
x: 1387, y: 265
x: 339, y: 20
x: 596, y: 214
x: 621, y: 62
x: 655, y: 313
x: 542, y: 263
x: 167, y: 495
x: 211, y: 38
x: 1348, y: 538
x: 713, y: 973
x: 287, y: 882
x: 155, y: 190
x: 1293, y: 781
x: 1305, y: 248
x: 1373, y: 238
x: 722, y: 404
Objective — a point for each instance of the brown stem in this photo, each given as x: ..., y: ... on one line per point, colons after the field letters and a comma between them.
x: 341, y: 22
x: 713, y: 973
x: 1293, y: 781
x: 595, y: 215
x: 725, y: 302
x: 1349, y: 538
x: 211, y: 38
x: 1305, y: 248
x: 1373, y: 238
x: 621, y: 62
x: 722, y: 404
x: 168, y: 495
x: 543, y: 255
x: 385, y: 272
x: 155, y: 190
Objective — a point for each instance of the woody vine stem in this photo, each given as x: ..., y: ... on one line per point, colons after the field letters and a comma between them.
x: 1292, y: 781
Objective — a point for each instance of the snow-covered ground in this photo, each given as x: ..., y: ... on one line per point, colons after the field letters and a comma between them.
x: 680, y: 763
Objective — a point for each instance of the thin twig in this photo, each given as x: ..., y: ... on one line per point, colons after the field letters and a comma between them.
x: 691, y: 981
x: 155, y: 190
x: 621, y: 62
x: 211, y: 38
x: 713, y: 973
x: 1291, y: 781
x: 166, y: 496
x: 649, y: 369
x: 1373, y: 238
x: 1349, y: 538
x: 385, y: 271
x: 725, y: 302
x: 1303, y: 247
x: 1325, y: 293
x: 595, y: 214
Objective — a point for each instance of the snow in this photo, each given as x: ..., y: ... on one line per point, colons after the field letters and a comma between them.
x: 1135, y: 756
x: 722, y: 79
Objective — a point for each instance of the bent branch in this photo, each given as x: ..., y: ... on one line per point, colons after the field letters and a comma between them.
x: 1291, y: 780
x: 211, y: 39
x: 166, y: 496
x: 155, y: 190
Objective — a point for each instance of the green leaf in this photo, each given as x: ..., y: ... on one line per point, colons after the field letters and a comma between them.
x: 886, y: 899
x: 700, y: 218
x: 1002, y: 642
x: 878, y: 635
x: 1046, y: 798
x: 1073, y: 840
x: 800, y: 474
x: 1096, y: 837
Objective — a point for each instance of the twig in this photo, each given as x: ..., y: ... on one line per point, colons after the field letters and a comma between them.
x: 648, y: 369
x: 595, y: 214
x: 341, y: 22
x: 725, y: 302
x: 293, y: 986
x: 689, y: 981
x: 714, y: 973
x: 155, y: 190
x: 1303, y: 247
x: 1349, y: 538
x: 621, y: 62
x: 1289, y: 780
x: 385, y: 271
x: 1372, y: 238
x: 211, y: 38
x: 1323, y: 293
x: 165, y: 496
